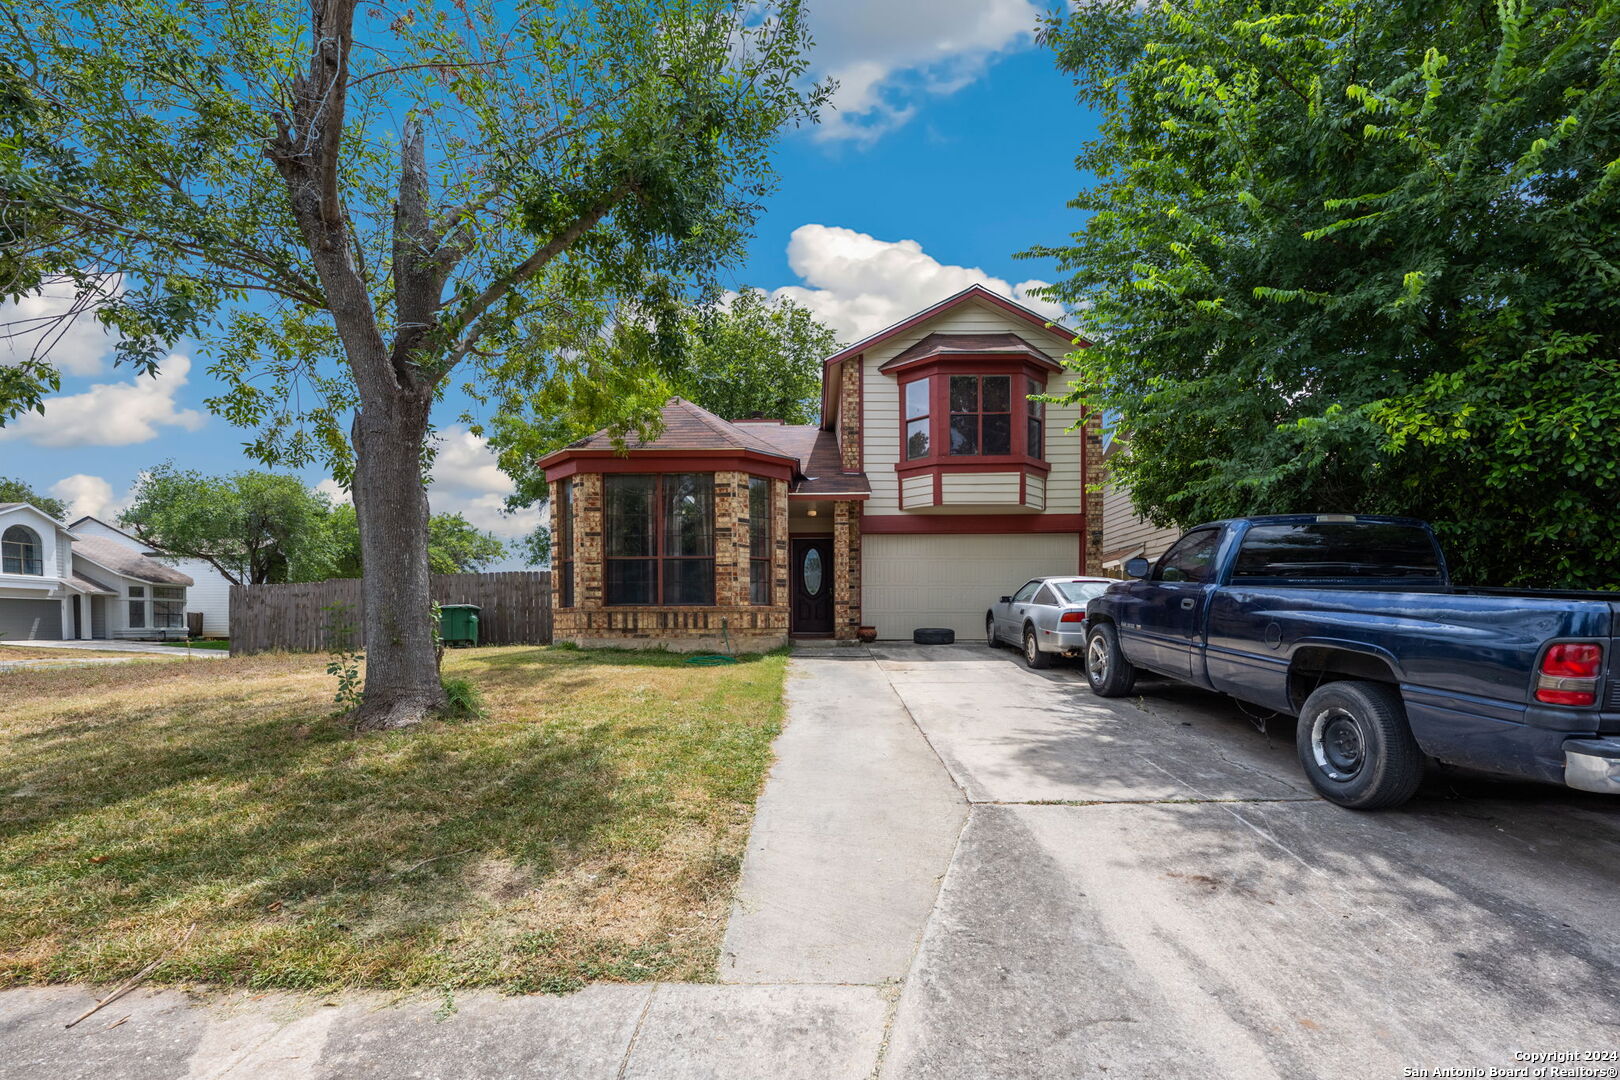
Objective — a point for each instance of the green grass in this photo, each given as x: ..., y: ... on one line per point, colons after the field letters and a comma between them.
x: 588, y: 826
x: 209, y: 643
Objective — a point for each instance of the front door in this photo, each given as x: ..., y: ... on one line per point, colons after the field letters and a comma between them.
x: 812, y: 575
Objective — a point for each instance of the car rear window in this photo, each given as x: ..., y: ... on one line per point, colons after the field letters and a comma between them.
x: 1078, y: 592
x: 1338, y: 549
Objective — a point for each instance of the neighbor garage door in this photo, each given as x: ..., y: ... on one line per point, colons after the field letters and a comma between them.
x: 31, y: 620
x: 912, y: 581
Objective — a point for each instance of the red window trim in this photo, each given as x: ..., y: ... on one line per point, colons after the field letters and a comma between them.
x: 658, y: 558
x: 939, y: 369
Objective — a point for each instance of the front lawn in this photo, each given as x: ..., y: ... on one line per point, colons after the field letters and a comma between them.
x: 590, y: 827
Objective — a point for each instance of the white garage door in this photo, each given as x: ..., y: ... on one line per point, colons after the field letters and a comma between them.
x: 912, y: 581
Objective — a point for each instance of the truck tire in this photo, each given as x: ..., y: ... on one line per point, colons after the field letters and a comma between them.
x: 933, y: 635
x: 1356, y: 747
x: 1110, y: 674
x: 1033, y: 656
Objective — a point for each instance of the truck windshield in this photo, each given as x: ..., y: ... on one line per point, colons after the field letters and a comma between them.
x: 1338, y: 549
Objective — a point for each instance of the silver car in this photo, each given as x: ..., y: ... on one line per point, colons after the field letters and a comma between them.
x: 1046, y: 617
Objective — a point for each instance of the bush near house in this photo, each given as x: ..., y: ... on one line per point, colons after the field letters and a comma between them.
x: 589, y: 826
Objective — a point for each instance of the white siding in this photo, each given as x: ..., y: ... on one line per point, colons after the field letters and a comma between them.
x: 979, y: 489
x: 908, y: 581
x: 1035, y: 491
x: 210, y: 592
x: 881, y: 450
x: 1122, y: 527
x: 917, y: 491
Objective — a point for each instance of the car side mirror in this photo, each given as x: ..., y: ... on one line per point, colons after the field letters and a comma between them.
x: 1138, y: 567
x: 1006, y: 599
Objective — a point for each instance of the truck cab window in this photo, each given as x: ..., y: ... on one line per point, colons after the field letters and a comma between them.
x: 1192, y: 559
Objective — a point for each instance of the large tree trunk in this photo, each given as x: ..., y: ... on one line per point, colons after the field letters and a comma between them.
x: 402, y: 672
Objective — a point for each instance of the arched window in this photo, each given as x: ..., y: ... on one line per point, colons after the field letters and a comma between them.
x: 20, y: 551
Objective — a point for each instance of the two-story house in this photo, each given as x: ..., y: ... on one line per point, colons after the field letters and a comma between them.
x: 934, y: 483
x: 56, y: 584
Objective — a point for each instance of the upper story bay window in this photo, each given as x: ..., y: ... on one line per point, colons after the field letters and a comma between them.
x: 963, y: 416
x: 658, y: 539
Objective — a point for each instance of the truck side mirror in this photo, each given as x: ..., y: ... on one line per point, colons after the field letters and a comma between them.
x: 1138, y: 567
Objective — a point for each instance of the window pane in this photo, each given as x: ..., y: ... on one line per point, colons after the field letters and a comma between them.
x: 629, y: 515
x: 1078, y: 592
x: 1192, y: 559
x: 688, y: 581
x: 1022, y: 595
x: 1036, y: 408
x: 168, y: 592
x: 137, y: 590
x: 812, y: 572
x: 137, y: 614
x: 997, y: 433
x: 997, y: 393
x: 917, y: 439
x: 965, y: 434
x: 1045, y: 596
x: 917, y: 399
x: 1037, y: 447
x: 759, y: 517
x: 689, y: 514
x: 964, y: 393
x: 1333, y: 549
x: 170, y: 614
x: 759, y: 581
x: 629, y: 581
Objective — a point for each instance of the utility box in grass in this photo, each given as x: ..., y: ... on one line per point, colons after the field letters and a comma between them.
x: 458, y: 624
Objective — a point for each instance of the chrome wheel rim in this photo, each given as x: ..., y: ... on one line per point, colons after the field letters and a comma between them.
x: 1097, y: 660
x: 1031, y: 650
x: 1338, y: 745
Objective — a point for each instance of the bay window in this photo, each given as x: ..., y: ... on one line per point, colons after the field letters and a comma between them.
x: 957, y: 414
x: 760, y: 521
x: 917, y: 410
x: 981, y: 415
x: 659, y: 538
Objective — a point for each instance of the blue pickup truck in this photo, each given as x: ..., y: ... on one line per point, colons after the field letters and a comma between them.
x: 1352, y: 624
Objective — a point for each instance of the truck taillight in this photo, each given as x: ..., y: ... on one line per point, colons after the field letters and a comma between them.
x: 1569, y: 675
x: 1072, y: 616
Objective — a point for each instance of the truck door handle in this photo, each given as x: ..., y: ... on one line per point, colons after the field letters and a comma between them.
x: 1187, y: 603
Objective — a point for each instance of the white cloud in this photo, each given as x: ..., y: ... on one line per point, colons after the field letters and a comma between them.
x: 467, y: 481
x: 112, y: 414
x: 79, y: 345
x: 858, y: 284
x: 90, y: 495
x: 334, y: 491
x: 886, y: 54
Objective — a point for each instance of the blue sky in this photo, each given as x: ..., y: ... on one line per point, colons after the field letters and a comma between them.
x: 952, y: 147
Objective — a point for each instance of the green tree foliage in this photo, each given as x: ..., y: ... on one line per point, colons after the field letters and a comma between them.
x: 253, y: 527
x: 19, y: 491
x: 347, y: 204
x: 455, y: 545
x: 1360, y: 256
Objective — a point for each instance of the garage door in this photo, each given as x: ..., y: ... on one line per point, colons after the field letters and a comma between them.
x: 31, y: 620
x: 912, y: 581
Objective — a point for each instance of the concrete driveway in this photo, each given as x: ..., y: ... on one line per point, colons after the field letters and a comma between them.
x: 1059, y: 886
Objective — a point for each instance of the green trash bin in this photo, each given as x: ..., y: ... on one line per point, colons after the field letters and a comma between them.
x: 458, y: 624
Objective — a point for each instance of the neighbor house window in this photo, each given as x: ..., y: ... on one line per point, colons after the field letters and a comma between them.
x: 565, y: 543
x: 659, y: 538
x: 20, y: 551
x: 917, y: 409
x: 1037, y: 420
x: 137, y: 607
x: 168, y: 607
x: 981, y: 415
x: 759, y: 540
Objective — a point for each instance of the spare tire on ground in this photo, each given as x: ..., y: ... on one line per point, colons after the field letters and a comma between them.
x: 934, y: 635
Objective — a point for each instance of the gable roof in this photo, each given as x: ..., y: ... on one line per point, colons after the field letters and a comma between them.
x: 8, y: 506
x: 113, y: 556
x: 974, y: 292
x: 108, y: 525
x: 937, y: 345
x: 686, y: 427
x: 820, y: 464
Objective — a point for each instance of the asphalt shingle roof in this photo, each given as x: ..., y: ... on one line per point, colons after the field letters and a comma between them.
x: 128, y: 562
x: 968, y: 345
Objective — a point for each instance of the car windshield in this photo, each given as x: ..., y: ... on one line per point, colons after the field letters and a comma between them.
x: 1078, y: 592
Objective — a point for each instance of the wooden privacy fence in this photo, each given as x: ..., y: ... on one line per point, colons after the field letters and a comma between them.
x: 323, y: 616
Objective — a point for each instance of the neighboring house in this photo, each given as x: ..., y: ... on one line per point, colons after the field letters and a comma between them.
x: 57, y: 584
x: 210, y: 592
x: 1126, y: 534
x: 932, y: 486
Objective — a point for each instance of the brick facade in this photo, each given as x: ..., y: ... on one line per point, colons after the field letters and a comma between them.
x: 846, y: 570
x: 849, y: 413
x: 747, y: 627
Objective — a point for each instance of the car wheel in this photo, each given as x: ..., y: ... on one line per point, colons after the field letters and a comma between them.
x: 990, y: 638
x: 1032, y: 651
x: 1110, y: 674
x: 1356, y: 747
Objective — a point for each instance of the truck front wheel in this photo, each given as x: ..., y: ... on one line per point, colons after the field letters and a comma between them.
x: 1356, y: 747
x: 1110, y: 674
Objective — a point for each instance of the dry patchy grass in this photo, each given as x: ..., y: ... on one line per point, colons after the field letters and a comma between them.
x: 30, y: 652
x: 589, y: 827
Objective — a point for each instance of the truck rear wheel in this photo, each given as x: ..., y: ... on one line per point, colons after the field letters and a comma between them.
x: 1356, y: 747
x: 1110, y: 674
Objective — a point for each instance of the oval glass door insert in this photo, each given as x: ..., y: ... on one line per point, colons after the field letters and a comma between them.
x: 812, y: 572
